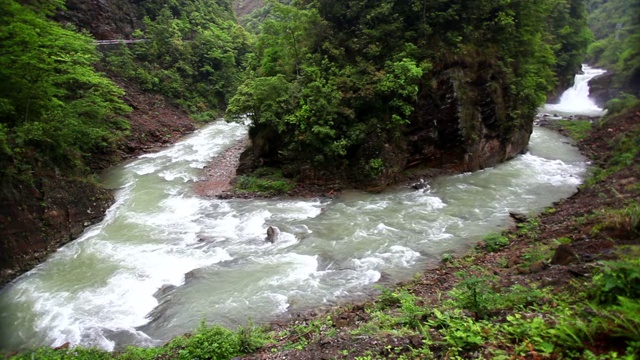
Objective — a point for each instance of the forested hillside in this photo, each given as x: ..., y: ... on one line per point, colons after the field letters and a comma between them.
x: 193, y: 53
x: 361, y: 90
x: 61, y: 119
x: 616, y: 28
x: 54, y: 106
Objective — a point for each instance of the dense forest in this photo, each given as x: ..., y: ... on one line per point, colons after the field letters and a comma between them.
x: 57, y: 109
x: 361, y: 89
x: 54, y: 106
x: 616, y: 30
x: 193, y: 52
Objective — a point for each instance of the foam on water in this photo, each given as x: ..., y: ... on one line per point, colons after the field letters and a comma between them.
x: 575, y: 100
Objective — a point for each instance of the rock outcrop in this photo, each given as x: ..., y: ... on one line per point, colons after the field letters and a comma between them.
x: 104, y: 19
x: 601, y: 89
x: 37, y: 219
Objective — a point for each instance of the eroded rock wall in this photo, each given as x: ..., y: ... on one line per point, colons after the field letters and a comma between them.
x: 36, y: 219
x: 104, y: 19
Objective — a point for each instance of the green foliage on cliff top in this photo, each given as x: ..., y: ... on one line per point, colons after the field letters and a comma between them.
x: 193, y: 54
x: 54, y: 107
x: 339, y: 79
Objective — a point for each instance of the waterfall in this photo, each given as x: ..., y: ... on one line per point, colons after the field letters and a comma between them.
x: 575, y: 100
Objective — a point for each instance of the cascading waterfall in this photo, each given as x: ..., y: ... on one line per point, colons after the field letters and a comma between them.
x: 164, y: 259
x: 575, y: 100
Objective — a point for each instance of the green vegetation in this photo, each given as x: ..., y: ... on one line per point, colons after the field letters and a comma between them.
x: 337, y: 84
x: 494, y: 242
x: 207, y: 343
x: 55, y: 109
x: 576, y: 129
x: 265, y: 181
x: 625, y: 150
x: 616, y: 27
x: 622, y: 103
x: 193, y: 53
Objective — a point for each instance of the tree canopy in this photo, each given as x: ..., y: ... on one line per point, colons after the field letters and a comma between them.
x: 616, y: 28
x: 340, y: 80
x: 193, y: 52
x: 54, y: 106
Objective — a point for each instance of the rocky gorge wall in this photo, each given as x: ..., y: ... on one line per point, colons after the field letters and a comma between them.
x: 36, y: 219
x: 461, y: 123
x: 39, y: 216
x: 104, y: 19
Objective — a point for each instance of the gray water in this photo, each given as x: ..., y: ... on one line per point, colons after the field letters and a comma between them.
x: 211, y: 261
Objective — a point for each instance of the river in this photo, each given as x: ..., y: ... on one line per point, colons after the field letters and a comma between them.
x: 164, y: 259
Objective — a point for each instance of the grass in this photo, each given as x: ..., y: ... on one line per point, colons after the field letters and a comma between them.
x: 208, y: 342
x: 576, y: 129
x: 264, y: 181
x: 625, y: 152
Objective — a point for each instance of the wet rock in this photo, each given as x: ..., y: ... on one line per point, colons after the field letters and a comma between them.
x: 343, y: 320
x: 416, y: 340
x: 272, y: 234
x: 164, y: 290
x: 538, y: 266
x: 192, y: 275
x: 578, y: 271
x: 33, y: 227
x: 63, y: 346
x: 519, y: 218
x: 564, y: 255
x: 421, y: 185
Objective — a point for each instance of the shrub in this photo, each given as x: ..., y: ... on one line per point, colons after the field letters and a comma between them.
x: 618, y: 278
x: 621, y: 103
x: 211, y: 343
x: 476, y: 294
x: 494, y: 242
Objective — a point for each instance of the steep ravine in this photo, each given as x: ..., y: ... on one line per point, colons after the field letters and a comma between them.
x: 37, y: 218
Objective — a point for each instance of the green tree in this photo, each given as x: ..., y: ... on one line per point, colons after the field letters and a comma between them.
x: 365, y: 79
x: 54, y: 107
x: 194, y: 53
x: 616, y: 28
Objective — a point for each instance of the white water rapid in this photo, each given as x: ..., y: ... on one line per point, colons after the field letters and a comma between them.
x: 575, y: 100
x: 164, y: 259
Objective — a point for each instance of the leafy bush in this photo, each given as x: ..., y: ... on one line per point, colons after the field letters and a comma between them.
x: 259, y: 185
x: 494, y: 242
x: 618, y: 278
x: 621, y: 103
x: 211, y: 343
x: 55, y: 107
x: 476, y: 294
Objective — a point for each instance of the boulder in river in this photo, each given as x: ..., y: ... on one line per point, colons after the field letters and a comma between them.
x: 272, y: 234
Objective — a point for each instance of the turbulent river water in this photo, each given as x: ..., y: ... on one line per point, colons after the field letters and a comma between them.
x: 164, y: 259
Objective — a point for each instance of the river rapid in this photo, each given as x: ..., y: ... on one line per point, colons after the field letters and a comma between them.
x: 164, y: 259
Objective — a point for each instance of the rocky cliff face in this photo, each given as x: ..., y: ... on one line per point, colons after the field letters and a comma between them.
x: 246, y: 7
x: 104, y: 19
x: 37, y: 219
